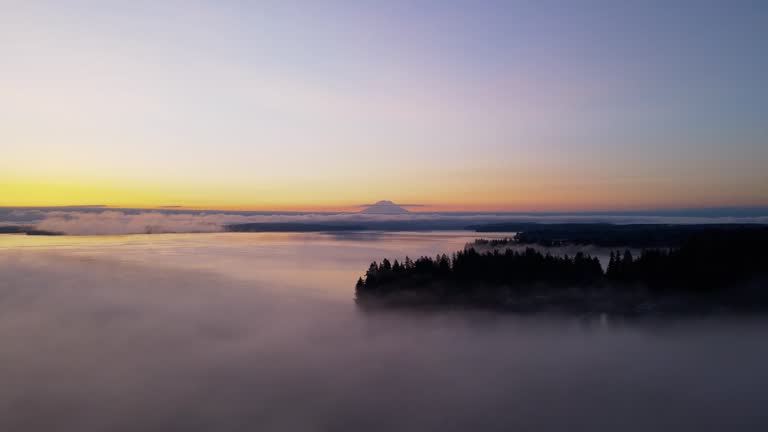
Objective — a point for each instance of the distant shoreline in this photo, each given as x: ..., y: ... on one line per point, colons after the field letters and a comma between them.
x: 521, y: 233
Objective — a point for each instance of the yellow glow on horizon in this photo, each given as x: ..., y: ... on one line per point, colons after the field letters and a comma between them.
x: 309, y: 196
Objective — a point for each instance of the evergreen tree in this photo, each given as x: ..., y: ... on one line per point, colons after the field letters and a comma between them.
x: 627, y: 257
x: 611, y: 270
x: 396, y: 267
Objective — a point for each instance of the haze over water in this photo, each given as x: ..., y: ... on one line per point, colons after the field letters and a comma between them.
x: 231, y: 332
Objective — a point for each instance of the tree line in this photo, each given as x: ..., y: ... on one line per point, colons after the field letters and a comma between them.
x: 707, y: 263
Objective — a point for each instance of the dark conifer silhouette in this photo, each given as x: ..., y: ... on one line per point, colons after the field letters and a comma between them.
x: 706, y: 265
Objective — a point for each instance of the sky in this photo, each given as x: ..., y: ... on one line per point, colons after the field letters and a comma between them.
x: 327, y: 105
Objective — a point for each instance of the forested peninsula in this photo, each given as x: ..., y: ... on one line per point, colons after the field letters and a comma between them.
x: 711, y: 270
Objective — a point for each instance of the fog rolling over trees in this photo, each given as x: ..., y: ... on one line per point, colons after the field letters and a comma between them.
x: 710, y: 271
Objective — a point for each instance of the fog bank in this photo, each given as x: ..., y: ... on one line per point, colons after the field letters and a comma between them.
x: 176, y: 333
x: 98, y: 221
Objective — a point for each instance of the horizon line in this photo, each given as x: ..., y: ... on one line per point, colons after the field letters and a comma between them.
x: 347, y: 209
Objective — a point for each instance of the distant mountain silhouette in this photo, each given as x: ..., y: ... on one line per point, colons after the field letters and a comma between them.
x: 384, y: 207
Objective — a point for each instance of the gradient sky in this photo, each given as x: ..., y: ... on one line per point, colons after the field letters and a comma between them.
x: 460, y: 105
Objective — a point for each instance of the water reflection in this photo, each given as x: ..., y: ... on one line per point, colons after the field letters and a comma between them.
x: 258, y: 332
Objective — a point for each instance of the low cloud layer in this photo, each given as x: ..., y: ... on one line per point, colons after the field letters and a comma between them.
x: 114, y: 222
x: 153, y: 222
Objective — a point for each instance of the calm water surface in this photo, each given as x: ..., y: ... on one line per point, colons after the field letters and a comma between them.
x: 259, y: 332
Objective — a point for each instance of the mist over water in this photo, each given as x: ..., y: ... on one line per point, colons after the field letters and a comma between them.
x: 232, y: 332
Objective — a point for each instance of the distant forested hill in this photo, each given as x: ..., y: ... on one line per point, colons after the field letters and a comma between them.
x: 610, y: 235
